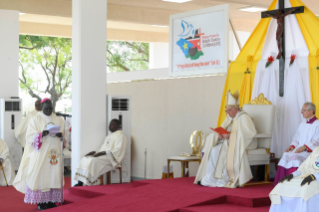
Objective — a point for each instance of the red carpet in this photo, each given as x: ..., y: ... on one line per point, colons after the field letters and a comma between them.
x: 174, y: 195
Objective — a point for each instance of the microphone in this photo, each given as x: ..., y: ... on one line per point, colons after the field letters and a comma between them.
x: 62, y: 114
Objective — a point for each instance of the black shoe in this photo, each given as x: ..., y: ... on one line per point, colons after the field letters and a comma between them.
x: 199, y: 183
x: 42, y: 206
x: 51, y: 205
x: 80, y: 183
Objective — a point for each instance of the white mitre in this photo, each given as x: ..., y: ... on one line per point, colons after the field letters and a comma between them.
x: 232, y: 99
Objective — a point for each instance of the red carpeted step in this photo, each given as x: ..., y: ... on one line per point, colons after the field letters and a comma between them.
x: 71, y: 198
x: 224, y: 208
x: 96, y: 191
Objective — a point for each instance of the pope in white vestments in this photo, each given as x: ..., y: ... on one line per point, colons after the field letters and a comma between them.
x: 6, y: 165
x: 299, y: 191
x: 225, y: 162
x: 107, y: 157
x: 304, y: 142
x: 39, y: 176
x: 21, y: 130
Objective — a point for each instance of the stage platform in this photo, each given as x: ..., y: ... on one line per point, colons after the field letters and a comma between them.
x: 175, y: 195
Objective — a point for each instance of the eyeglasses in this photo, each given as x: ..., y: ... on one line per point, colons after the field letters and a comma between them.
x: 304, y: 110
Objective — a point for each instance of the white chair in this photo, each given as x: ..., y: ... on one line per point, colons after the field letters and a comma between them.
x: 262, y: 113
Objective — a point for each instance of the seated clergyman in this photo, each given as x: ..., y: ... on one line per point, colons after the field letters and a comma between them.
x: 107, y: 157
x: 225, y: 162
x: 298, y: 191
x: 303, y: 143
x: 5, y: 165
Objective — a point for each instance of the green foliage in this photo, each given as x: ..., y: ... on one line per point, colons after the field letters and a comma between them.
x: 53, y: 57
x: 127, y: 56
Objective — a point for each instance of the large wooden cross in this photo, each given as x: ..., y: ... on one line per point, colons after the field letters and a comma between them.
x: 280, y: 15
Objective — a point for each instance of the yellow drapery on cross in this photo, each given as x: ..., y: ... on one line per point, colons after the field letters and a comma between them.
x: 245, y: 90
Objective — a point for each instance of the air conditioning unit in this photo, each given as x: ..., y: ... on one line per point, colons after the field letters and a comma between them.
x: 119, y: 107
x: 10, y: 117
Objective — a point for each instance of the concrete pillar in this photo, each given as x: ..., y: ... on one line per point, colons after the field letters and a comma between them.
x: 9, y: 53
x: 89, y: 121
x: 159, y: 55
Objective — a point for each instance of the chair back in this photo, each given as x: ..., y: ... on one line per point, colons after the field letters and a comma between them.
x: 262, y: 113
x: 197, y: 141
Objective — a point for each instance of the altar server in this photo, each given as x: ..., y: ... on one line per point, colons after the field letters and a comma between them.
x: 107, y: 157
x: 298, y: 191
x: 5, y: 166
x: 39, y: 177
x: 303, y: 143
x: 225, y: 162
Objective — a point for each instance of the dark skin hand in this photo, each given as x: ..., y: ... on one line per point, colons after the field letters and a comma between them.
x: 307, y: 180
x: 99, y: 154
x: 59, y: 135
x: 90, y: 153
x: 288, y: 178
x: 45, y: 133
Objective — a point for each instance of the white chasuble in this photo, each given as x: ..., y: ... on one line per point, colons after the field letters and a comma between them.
x: 21, y: 130
x: 225, y: 162
x: 41, y: 171
x: 6, y: 164
x: 295, y: 197
x: 90, y: 168
x: 307, y: 134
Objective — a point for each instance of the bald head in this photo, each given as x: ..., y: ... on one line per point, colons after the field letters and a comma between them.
x: 114, y: 125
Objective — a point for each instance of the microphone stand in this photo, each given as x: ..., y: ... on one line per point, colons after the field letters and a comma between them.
x: 62, y: 161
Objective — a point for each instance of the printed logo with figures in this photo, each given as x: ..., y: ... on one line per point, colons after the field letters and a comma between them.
x: 190, y: 41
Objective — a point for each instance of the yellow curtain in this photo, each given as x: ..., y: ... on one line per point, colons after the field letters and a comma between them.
x: 309, y: 25
x: 245, y: 90
x: 235, y: 75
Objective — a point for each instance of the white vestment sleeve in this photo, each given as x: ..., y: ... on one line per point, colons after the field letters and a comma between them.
x: 296, y: 173
x: 116, y: 154
x: 316, y: 176
x: 314, y: 142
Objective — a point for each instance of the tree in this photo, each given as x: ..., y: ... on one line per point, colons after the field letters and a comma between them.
x: 127, y: 56
x: 51, y: 55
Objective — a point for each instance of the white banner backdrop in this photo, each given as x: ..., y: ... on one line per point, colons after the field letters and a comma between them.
x: 199, y: 42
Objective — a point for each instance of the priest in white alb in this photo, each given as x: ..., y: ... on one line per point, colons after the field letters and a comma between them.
x: 299, y: 191
x: 39, y: 177
x: 304, y: 142
x: 106, y: 158
x: 225, y: 162
x: 21, y: 130
x: 7, y: 173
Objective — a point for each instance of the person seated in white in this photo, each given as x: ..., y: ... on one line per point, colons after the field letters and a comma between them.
x: 225, y: 162
x: 299, y: 191
x: 5, y: 165
x: 107, y: 157
x: 304, y: 142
